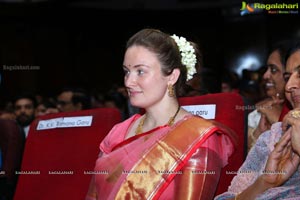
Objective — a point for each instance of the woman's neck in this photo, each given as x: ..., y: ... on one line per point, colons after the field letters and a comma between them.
x: 160, y: 115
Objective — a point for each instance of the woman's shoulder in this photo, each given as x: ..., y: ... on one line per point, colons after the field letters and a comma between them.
x: 274, y: 132
x: 123, y: 126
x: 214, y: 127
x: 269, y: 138
x: 201, y: 122
x: 117, y: 133
x: 128, y: 121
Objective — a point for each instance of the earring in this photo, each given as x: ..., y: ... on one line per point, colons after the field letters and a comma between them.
x: 171, y: 91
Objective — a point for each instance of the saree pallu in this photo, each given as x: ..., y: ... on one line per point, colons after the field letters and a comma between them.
x: 179, y: 162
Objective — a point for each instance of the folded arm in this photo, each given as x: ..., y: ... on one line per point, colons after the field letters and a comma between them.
x: 201, y: 174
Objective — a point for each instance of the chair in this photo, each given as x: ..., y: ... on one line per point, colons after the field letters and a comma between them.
x: 11, y: 145
x: 229, y: 109
x: 60, y: 152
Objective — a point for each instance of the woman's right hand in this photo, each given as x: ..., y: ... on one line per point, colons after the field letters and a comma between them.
x: 292, y: 121
x: 282, y: 162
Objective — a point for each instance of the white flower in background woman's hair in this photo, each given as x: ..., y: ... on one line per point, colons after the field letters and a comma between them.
x: 188, y: 56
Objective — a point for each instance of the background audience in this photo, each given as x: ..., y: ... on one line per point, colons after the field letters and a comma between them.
x: 71, y: 99
x: 24, y: 108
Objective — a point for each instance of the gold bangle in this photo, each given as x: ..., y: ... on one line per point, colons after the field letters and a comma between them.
x: 252, y: 137
x: 236, y: 196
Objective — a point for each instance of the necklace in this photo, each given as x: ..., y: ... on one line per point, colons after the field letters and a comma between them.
x: 139, y: 128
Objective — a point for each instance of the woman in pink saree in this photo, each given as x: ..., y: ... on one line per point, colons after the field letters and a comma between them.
x: 166, y: 153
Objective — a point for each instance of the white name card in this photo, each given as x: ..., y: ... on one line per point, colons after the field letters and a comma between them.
x: 65, y: 122
x: 206, y: 111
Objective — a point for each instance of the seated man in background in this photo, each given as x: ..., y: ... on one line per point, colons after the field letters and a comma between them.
x: 24, y: 108
x: 73, y: 100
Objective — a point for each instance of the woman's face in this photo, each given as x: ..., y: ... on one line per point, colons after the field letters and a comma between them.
x: 274, y: 76
x: 293, y: 75
x: 145, y: 83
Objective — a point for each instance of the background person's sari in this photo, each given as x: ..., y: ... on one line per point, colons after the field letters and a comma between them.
x: 179, y: 162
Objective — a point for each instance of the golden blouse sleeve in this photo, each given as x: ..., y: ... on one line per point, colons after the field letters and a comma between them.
x: 200, y: 176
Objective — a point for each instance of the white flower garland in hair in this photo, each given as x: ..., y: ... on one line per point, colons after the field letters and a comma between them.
x: 188, y: 56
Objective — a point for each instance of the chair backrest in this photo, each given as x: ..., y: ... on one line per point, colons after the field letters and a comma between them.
x: 228, y: 109
x: 60, y: 152
x: 11, y: 148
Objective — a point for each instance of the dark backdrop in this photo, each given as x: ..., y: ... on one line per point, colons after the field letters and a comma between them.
x: 83, y: 46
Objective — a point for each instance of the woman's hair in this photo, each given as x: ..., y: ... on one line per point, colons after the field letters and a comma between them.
x: 282, y: 47
x: 167, y: 51
x: 199, y: 57
x: 295, y: 46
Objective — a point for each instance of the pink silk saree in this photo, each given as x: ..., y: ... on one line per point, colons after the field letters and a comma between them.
x: 179, y: 162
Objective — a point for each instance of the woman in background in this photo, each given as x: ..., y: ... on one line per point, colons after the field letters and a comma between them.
x: 268, y: 110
